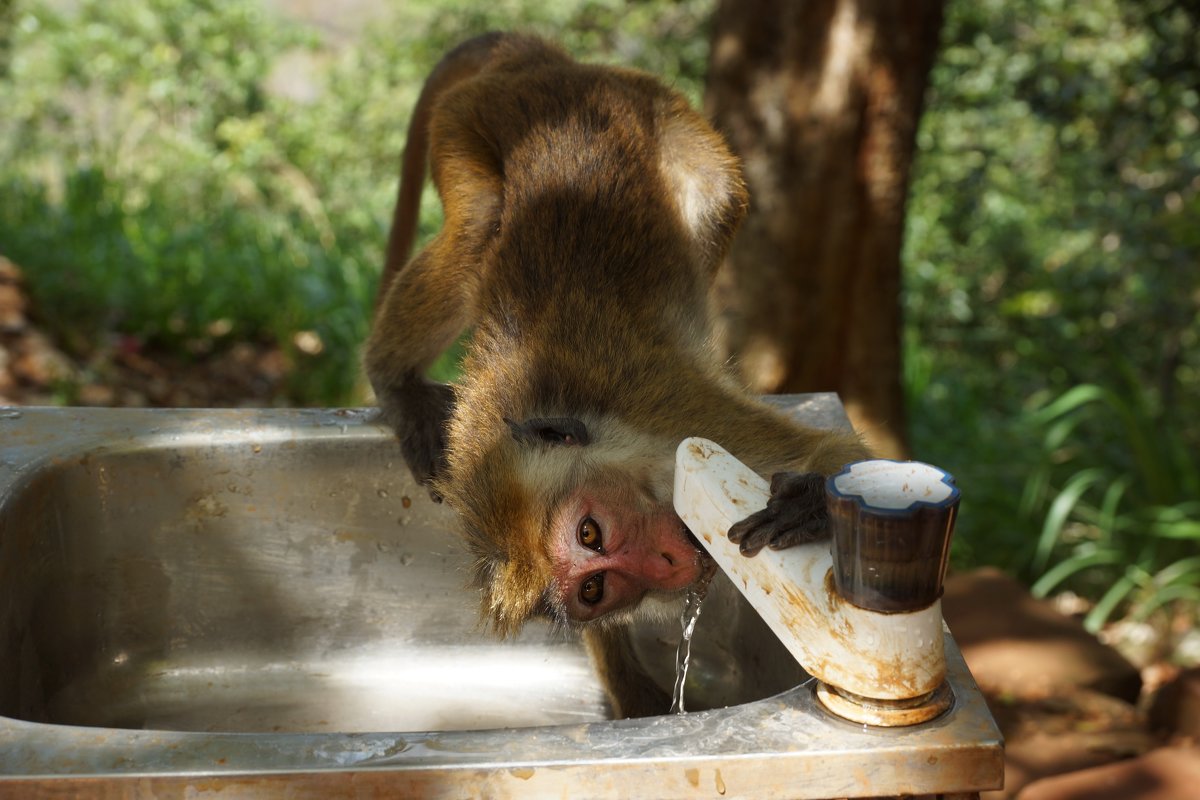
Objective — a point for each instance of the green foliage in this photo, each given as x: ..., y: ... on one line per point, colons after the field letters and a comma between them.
x: 1052, y: 244
x: 147, y: 193
x: 159, y: 183
x: 1122, y: 494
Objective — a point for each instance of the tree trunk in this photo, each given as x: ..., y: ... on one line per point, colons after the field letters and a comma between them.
x: 821, y: 99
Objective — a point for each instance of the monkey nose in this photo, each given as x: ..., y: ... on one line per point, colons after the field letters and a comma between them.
x: 670, y: 571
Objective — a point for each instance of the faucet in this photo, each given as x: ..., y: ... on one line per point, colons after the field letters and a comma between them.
x: 861, y: 611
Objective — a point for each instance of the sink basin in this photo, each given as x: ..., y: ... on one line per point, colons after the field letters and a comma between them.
x: 236, y: 598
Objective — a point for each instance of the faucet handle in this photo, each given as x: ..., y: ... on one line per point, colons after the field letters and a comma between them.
x: 891, y: 524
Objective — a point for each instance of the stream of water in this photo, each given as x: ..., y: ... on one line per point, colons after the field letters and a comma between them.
x: 691, y: 614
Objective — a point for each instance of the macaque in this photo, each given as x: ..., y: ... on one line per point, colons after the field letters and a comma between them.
x: 586, y: 210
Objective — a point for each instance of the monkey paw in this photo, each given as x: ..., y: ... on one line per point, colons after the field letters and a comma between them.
x: 795, y: 514
x: 419, y: 414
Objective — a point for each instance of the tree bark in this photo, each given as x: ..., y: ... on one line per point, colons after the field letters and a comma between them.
x: 821, y: 99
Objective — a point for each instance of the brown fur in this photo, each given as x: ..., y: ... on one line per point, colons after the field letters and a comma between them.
x: 586, y: 209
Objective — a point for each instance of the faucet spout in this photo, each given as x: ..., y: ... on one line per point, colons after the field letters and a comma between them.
x: 881, y: 667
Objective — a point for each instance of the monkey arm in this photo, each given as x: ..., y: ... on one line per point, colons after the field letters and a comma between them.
x: 424, y: 309
x: 426, y: 302
x: 631, y: 691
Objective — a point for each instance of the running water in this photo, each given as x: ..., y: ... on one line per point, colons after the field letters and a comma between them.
x: 691, y: 613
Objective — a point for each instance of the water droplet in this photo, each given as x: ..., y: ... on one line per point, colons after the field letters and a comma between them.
x: 382, y: 493
x: 691, y: 615
x: 10, y: 414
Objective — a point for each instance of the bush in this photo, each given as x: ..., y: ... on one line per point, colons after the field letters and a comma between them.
x: 156, y: 186
x: 1052, y: 293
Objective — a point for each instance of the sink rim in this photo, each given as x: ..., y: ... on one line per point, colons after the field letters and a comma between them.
x: 776, y: 744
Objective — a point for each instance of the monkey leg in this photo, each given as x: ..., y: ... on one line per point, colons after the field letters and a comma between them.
x: 795, y: 514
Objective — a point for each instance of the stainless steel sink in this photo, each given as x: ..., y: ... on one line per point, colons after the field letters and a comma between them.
x: 232, y: 598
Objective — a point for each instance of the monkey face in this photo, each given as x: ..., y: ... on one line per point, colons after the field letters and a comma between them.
x: 608, y: 553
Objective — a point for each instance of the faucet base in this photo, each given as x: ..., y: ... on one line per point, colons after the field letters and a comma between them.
x: 885, y: 713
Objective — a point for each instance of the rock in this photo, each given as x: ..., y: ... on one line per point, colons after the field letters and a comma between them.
x: 1063, y: 700
x: 37, y: 362
x: 1069, y: 730
x: 1175, y: 708
x: 1018, y: 646
x: 12, y: 298
x: 95, y: 394
x: 12, y: 309
x: 1164, y: 774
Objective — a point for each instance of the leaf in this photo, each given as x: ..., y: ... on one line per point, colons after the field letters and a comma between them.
x: 1060, y: 511
x: 1177, y: 571
x: 1100, y: 613
x: 1069, y: 401
x: 1107, y: 522
x: 1166, y: 595
x: 1070, y: 566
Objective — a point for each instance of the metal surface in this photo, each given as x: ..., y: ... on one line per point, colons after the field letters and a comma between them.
x: 229, y: 598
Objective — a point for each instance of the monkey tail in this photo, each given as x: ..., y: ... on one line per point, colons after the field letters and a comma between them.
x: 461, y: 63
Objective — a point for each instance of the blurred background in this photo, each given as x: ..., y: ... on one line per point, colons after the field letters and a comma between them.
x: 979, y: 221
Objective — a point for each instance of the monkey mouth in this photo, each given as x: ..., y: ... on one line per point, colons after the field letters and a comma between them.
x: 691, y: 537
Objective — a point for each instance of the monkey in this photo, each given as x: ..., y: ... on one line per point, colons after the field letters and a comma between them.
x: 586, y: 209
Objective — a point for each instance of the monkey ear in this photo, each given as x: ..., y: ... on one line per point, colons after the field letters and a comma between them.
x: 551, y: 430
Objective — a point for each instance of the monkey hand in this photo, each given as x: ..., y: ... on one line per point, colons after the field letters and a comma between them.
x: 795, y: 514
x: 419, y: 414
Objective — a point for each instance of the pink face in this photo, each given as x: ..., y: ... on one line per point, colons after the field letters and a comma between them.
x: 609, y: 554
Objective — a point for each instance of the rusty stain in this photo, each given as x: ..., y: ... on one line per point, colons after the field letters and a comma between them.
x: 406, y: 501
x: 693, y: 777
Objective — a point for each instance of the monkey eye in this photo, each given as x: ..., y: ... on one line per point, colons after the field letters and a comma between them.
x: 590, y: 536
x: 592, y: 590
